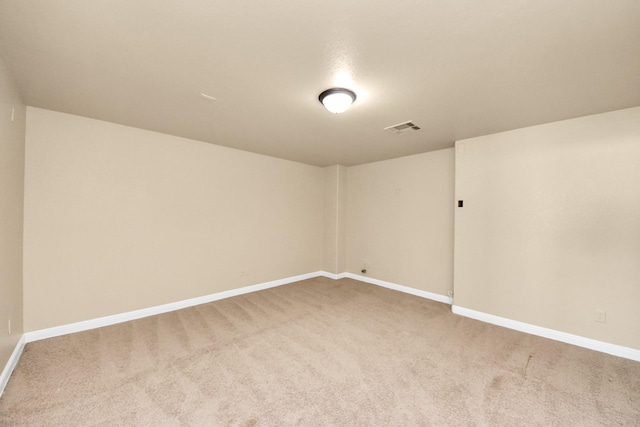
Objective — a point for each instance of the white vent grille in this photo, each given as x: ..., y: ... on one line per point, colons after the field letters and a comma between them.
x: 402, y: 128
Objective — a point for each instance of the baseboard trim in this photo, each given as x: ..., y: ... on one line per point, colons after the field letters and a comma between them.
x: 329, y: 275
x: 11, y: 363
x: 165, y: 308
x: 160, y: 309
x: 396, y: 287
x: 613, y: 349
x: 601, y: 346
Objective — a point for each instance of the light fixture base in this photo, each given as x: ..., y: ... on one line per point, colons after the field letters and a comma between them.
x: 337, y: 99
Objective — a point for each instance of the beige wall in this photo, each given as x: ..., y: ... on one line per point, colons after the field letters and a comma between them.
x: 118, y: 219
x: 330, y: 232
x: 335, y: 193
x: 341, y: 244
x: 550, y: 228
x: 400, y: 220
x: 11, y: 213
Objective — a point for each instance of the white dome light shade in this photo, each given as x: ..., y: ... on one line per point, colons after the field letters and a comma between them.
x: 337, y: 100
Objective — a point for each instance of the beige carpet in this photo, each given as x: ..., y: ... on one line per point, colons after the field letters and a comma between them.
x: 317, y: 352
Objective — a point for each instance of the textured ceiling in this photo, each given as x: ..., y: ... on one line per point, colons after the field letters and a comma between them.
x: 458, y: 69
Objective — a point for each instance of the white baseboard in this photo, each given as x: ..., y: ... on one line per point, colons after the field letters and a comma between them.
x: 11, y: 364
x: 152, y: 311
x: 601, y: 346
x: 396, y: 287
x: 329, y: 275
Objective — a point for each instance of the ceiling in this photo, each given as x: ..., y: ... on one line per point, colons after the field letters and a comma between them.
x: 457, y: 69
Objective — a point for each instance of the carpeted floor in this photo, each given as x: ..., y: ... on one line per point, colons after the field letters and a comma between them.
x: 317, y: 352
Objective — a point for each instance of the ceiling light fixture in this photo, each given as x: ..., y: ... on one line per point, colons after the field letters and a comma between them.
x: 337, y: 99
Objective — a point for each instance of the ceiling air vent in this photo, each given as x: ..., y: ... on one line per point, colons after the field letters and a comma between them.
x: 402, y: 128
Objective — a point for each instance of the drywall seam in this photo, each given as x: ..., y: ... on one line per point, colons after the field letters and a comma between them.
x: 601, y: 346
x: 396, y: 287
x: 11, y: 363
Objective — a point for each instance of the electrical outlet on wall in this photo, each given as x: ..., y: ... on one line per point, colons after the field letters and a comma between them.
x: 365, y: 267
x: 601, y: 315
